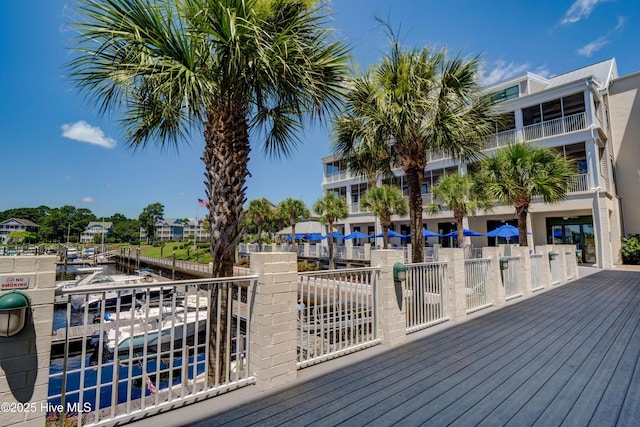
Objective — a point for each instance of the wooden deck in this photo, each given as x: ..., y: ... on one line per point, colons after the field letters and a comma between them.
x: 569, y: 356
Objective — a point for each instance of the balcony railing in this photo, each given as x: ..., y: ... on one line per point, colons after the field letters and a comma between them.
x: 337, y: 176
x: 578, y: 183
x: 572, y: 123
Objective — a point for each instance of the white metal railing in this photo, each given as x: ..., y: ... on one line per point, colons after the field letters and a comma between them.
x: 357, y: 252
x: 336, y: 313
x: 554, y: 265
x: 184, y: 265
x: 578, y: 183
x: 425, y: 295
x: 572, y: 123
x: 537, y: 275
x: 338, y: 176
x: 313, y: 250
x: 137, y: 348
x: 511, y: 277
x: 500, y: 139
x: 477, y: 275
x: 355, y: 208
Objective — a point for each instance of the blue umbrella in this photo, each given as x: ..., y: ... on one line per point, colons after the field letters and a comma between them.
x: 314, y: 236
x: 429, y: 233
x: 336, y: 235
x: 298, y: 236
x: 357, y: 235
x: 391, y: 233
x: 466, y: 232
x: 507, y: 231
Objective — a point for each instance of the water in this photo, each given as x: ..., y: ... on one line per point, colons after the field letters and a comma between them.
x: 102, y: 395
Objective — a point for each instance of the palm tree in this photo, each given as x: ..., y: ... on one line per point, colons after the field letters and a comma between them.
x: 520, y: 172
x: 331, y: 208
x: 383, y: 202
x: 418, y: 100
x: 461, y: 194
x: 227, y: 68
x: 293, y: 210
x: 365, y: 151
x: 259, y: 212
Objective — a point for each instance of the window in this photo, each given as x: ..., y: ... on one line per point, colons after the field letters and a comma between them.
x: 332, y: 168
x: 508, y: 93
x: 551, y: 110
x: 573, y: 104
x: 531, y: 115
x: 577, y: 153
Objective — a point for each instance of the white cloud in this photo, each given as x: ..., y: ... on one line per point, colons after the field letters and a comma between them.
x: 84, y: 132
x: 579, y: 10
x: 590, y: 48
x: 501, y: 70
x: 594, y: 46
x: 88, y: 200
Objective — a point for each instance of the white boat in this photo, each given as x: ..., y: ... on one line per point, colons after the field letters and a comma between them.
x: 152, y: 331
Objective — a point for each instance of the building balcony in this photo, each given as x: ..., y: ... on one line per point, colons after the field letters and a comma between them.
x: 537, y: 131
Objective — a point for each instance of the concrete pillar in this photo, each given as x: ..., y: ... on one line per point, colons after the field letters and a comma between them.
x: 496, y: 292
x: 306, y: 249
x: 24, y: 358
x: 392, y: 323
x: 367, y: 251
x: 544, y: 251
x: 526, y: 282
x: 273, y: 322
x: 455, y: 287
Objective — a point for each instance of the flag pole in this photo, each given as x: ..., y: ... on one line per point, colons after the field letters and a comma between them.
x: 195, y: 230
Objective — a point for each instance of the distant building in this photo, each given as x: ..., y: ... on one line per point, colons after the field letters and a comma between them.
x: 176, y: 229
x: 589, y: 115
x: 16, y: 224
x: 96, y: 228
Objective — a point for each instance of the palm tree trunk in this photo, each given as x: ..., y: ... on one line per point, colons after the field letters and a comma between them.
x: 226, y: 155
x: 260, y: 236
x: 330, y: 234
x: 414, y: 183
x: 522, y: 227
x: 385, y: 222
x: 293, y: 236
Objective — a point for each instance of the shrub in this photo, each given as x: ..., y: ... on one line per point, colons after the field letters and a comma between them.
x: 306, y: 266
x: 631, y: 249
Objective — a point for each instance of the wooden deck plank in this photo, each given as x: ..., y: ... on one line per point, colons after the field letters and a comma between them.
x: 571, y: 354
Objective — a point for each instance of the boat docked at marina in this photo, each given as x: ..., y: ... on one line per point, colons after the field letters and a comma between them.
x: 148, y: 330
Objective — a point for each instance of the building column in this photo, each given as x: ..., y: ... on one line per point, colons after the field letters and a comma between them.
x: 273, y: 350
x: 392, y: 323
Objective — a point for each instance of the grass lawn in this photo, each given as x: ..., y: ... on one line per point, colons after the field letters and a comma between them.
x: 184, y: 252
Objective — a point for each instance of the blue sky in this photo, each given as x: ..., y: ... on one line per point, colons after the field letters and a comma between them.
x: 57, y: 150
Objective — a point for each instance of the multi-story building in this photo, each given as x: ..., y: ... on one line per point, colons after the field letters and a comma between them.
x: 11, y: 225
x: 96, y: 228
x: 587, y: 115
x: 176, y: 229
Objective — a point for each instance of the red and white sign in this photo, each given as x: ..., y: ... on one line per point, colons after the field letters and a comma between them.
x: 14, y: 282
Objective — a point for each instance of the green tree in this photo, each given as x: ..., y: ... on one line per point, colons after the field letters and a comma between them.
x: 383, y: 202
x: 231, y: 66
x: 520, y: 172
x: 259, y: 212
x: 148, y: 218
x: 462, y: 195
x: 331, y: 208
x: 419, y: 100
x: 293, y: 210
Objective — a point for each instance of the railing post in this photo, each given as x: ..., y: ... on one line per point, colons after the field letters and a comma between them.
x: 546, y: 273
x: 392, y: 324
x: 24, y: 371
x: 456, y: 284
x: 525, y: 278
x: 497, y: 294
x: 274, y: 319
